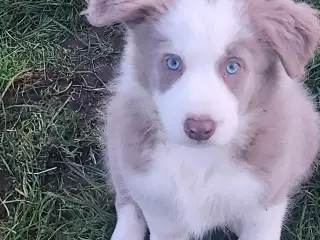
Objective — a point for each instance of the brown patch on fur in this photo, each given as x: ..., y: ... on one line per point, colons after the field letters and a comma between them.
x: 257, y: 74
x: 290, y: 29
x: 167, y: 76
x: 130, y: 12
x: 132, y: 129
x: 286, y: 141
x: 149, y: 58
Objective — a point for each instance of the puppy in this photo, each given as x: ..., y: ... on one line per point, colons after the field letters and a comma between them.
x: 209, y: 126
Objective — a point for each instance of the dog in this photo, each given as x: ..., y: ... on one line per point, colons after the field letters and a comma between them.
x: 210, y: 125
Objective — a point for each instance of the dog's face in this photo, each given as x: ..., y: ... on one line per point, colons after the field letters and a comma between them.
x: 201, y: 70
x: 206, y: 63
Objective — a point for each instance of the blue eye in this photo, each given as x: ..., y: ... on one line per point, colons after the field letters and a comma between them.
x: 232, y: 67
x: 173, y: 63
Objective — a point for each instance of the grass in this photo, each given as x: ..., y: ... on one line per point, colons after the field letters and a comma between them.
x: 54, y: 70
x: 51, y: 69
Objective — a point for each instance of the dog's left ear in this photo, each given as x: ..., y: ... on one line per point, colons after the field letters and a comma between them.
x: 105, y: 12
x: 290, y: 29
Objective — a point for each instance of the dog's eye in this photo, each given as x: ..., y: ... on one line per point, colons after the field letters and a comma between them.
x: 174, y: 63
x: 233, y: 67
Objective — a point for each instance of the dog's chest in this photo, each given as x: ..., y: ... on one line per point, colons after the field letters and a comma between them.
x: 201, y: 187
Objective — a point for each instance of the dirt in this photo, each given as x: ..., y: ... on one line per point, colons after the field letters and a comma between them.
x: 84, y: 88
x: 90, y: 78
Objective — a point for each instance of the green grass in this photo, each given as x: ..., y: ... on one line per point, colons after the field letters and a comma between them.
x: 51, y: 182
x: 53, y: 72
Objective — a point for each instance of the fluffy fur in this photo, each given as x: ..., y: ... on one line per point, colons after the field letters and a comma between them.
x: 267, y: 133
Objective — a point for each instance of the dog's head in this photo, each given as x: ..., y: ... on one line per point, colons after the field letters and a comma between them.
x: 206, y: 63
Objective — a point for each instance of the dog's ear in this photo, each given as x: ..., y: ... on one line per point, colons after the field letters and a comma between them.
x: 105, y: 12
x: 290, y: 29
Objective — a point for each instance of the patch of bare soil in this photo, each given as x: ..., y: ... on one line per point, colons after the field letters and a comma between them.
x: 93, y: 72
x: 84, y: 87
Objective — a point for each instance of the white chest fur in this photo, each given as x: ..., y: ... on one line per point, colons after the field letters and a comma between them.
x: 197, y: 188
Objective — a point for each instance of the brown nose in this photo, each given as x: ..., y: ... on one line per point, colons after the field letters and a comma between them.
x: 199, y: 130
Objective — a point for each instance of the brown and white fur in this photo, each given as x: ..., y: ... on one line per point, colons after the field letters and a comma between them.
x: 264, y: 127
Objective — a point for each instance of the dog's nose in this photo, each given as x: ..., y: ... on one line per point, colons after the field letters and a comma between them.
x: 199, y: 130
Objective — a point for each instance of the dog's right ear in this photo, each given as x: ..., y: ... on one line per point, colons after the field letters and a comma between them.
x: 105, y: 12
x: 291, y: 29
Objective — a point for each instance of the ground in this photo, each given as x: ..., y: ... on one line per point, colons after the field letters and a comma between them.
x: 54, y: 71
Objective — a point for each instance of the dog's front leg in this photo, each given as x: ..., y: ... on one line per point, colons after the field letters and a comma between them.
x: 130, y: 222
x: 264, y: 223
x: 165, y: 228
